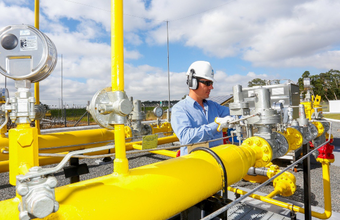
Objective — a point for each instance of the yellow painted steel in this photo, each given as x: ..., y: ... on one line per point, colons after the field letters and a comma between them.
x: 320, y: 127
x: 23, y: 146
x: 121, y: 164
x: 36, y: 85
x: 3, y: 132
x: 117, y: 45
x: 309, y: 106
x: 308, y: 109
x: 327, y: 194
x: 165, y: 127
x: 265, y: 153
x: 56, y: 140
x: 285, y: 185
x: 168, y: 153
x: 166, y: 188
x: 294, y: 138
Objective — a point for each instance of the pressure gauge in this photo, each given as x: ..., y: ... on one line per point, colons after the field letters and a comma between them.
x: 158, y: 111
x: 26, y: 53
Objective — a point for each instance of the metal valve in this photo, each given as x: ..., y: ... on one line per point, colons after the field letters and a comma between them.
x: 38, y: 196
x: 108, y: 108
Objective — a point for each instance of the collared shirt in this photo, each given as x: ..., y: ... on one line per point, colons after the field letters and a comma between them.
x: 191, y: 123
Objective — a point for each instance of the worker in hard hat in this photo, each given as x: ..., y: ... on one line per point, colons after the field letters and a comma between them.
x: 193, y: 118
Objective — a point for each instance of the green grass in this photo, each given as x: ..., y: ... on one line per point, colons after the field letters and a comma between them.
x: 325, y: 108
x: 332, y: 116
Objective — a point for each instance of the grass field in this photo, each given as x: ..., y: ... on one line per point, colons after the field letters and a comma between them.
x: 325, y: 109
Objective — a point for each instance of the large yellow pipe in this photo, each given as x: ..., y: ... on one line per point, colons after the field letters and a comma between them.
x: 156, y: 191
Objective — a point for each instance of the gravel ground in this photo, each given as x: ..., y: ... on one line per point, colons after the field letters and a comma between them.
x: 7, y: 191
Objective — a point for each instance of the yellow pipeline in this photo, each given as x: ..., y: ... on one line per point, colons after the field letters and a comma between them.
x: 56, y: 140
x: 36, y: 85
x: 76, y: 138
x: 166, y: 188
x: 327, y: 195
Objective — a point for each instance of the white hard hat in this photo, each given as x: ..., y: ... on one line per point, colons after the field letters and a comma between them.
x: 201, y: 69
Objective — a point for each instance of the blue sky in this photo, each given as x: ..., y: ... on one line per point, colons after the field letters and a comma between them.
x: 243, y: 40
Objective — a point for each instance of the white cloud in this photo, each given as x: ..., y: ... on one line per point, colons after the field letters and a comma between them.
x: 266, y: 33
x: 11, y: 15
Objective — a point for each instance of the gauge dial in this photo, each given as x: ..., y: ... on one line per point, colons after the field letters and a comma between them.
x: 158, y: 111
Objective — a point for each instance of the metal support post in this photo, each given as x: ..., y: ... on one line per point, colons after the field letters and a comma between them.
x: 74, y: 162
x: 306, y: 183
x: 65, y: 116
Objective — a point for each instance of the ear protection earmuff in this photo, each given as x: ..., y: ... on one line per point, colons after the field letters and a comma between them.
x: 192, y: 81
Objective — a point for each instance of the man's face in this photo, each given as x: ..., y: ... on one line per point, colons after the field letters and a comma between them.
x: 203, y: 90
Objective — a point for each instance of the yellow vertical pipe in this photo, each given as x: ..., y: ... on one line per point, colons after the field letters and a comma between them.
x: 121, y: 165
x: 117, y: 46
x: 326, y: 191
x: 36, y: 85
x: 23, y: 148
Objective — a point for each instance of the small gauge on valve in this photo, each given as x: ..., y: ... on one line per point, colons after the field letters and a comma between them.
x: 158, y: 111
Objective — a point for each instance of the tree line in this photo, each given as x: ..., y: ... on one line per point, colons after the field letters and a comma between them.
x: 324, y: 84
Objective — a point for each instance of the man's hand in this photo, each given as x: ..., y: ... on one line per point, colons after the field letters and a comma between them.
x: 224, y: 122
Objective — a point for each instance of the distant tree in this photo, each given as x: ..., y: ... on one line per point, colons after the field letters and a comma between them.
x: 257, y: 82
x: 184, y: 96
x: 325, y: 84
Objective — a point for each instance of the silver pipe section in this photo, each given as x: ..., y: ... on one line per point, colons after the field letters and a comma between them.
x: 226, y: 207
x: 262, y: 99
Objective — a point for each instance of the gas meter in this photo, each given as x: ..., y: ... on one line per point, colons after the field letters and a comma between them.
x: 26, y: 53
x: 27, y: 56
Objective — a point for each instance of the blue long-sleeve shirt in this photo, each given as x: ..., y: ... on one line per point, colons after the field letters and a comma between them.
x: 192, y: 124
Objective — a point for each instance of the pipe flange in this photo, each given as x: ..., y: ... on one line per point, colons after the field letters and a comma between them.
x: 262, y: 147
x: 319, y: 127
x: 281, y: 146
x: 294, y: 138
x: 285, y: 184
